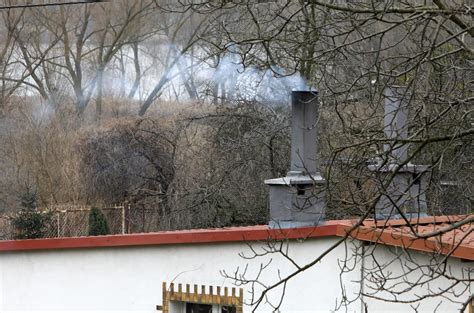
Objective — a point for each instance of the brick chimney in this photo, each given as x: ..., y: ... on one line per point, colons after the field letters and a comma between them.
x: 299, y: 199
x: 406, y: 193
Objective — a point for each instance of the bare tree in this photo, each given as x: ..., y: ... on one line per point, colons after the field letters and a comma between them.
x: 182, y: 32
x: 353, y: 52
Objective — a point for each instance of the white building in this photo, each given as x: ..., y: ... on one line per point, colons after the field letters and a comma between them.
x: 125, y: 273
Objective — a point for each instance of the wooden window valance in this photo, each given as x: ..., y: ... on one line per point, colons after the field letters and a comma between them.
x: 213, y: 296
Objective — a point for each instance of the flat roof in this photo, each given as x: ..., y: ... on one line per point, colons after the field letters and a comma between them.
x: 447, y: 235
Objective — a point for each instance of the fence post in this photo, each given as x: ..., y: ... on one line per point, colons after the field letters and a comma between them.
x: 123, y: 218
x: 58, y: 223
x: 128, y: 218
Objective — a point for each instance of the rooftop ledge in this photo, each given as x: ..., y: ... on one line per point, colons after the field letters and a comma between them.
x: 193, y: 236
x: 458, y: 242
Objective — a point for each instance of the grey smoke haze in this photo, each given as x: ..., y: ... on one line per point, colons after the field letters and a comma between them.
x: 249, y: 83
x: 43, y: 111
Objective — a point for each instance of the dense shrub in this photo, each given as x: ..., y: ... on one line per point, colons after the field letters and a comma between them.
x: 97, y: 223
x: 225, y: 156
x: 29, y: 223
x: 126, y: 160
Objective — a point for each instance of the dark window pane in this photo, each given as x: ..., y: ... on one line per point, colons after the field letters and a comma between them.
x: 198, y: 308
x: 229, y: 309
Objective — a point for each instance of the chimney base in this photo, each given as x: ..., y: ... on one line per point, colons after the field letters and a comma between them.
x: 405, y: 193
x: 296, y: 201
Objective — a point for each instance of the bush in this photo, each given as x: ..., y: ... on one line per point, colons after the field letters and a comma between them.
x: 97, y: 223
x: 125, y: 160
x: 30, y: 223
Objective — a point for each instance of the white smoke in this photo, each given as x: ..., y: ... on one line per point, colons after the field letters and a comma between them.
x: 252, y: 84
x: 43, y: 112
x: 238, y: 82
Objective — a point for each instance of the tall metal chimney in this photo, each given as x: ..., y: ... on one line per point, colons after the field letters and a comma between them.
x: 395, y: 122
x: 406, y: 193
x: 299, y: 198
x: 304, y: 133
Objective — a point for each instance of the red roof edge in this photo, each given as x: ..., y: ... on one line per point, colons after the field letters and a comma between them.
x: 196, y: 236
x: 463, y: 251
x: 456, y: 242
x: 369, y: 232
x: 416, y: 220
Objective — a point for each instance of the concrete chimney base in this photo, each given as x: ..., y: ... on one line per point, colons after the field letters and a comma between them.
x: 296, y: 201
x: 405, y: 193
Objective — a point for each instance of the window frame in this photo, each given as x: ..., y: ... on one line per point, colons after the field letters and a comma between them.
x: 212, y: 297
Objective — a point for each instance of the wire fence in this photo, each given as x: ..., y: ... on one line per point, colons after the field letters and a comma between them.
x: 73, y: 221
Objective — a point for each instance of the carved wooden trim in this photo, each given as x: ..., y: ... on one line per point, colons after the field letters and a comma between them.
x: 213, y: 296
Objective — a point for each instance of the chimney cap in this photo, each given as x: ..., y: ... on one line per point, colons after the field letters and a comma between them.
x: 301, y: 91
x: 296, y: 180
x: 390, y: 167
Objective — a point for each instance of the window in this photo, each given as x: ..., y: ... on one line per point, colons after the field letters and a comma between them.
x: 198, y: 308
x: 208, y: 308
x: 212, y: 301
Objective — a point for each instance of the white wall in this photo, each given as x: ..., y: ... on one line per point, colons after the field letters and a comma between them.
x: 130, y: 279
x: 416, y: 277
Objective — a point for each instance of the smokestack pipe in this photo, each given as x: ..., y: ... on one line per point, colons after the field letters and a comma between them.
x: 396, y: 122
x: 304, y: 133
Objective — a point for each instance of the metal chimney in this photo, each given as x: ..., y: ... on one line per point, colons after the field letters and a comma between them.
x: 395, y: 122
x: 304, y: 133
x: 406, y: 193
x: 299, y: 199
